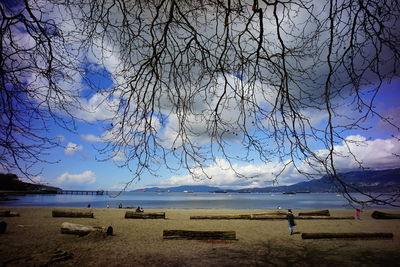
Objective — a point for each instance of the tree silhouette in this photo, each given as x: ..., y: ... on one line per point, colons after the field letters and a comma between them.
x: 195, y: 80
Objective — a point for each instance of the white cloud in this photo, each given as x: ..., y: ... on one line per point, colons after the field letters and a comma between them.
x: 198, y: 119
x: 71, y: 148
x: 119, y: 157
x: 80, y: 180
x: 97, y: 107
x: 222, y: 175
x: 92, y: 138
x: 374, y: 154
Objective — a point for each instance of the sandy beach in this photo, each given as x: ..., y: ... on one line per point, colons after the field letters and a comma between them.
x: 34, y: 239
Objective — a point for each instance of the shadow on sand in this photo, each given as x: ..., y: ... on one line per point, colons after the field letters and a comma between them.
x: 272, y: 254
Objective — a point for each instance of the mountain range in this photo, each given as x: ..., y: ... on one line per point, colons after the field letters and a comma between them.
x: 370, y: 181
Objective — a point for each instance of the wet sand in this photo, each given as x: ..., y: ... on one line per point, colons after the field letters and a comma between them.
x: 34, y: 239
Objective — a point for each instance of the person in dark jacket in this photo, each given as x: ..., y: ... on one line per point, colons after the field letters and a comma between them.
x: 290, y: 218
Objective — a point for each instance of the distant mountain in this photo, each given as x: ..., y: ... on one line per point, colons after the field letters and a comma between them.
x: 371, y: 181
x: 11, y: 182
x: 188, y: 188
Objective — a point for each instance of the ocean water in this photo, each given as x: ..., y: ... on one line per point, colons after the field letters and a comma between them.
x: 166, y: 200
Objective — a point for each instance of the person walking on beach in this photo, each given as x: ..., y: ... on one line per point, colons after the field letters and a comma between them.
x: 358, y: 214
x: 290, y: 218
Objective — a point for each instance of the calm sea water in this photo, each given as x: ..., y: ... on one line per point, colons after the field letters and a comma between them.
x: 189, y: 201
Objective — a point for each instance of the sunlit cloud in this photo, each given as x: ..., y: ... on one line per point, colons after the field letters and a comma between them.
x: 83, y: 179
x: 373, y: 154
x: 71, y: 148
x: 92, y: 138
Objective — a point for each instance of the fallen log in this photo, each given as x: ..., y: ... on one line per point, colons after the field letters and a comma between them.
x: 384, y: 215
x: 144, y: 215
x: 199, y: 235
x: 315, y: 213
x: 324, y: 217
x: 81, y: 230
x: 267, y: 217
x: 7, y: 213
x: 72, y: 214
x: 221, y: 217
x: 278, y: 212
x: 347, y: 235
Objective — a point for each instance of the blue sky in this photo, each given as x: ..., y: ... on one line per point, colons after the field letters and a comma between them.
x: 78, y: 165
x: 111, y: 74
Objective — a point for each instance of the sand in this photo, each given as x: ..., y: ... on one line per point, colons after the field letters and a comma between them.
x: 34, y: 239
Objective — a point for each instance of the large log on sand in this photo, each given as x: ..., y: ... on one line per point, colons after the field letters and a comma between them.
x: 199, y: 235
x: 4, y: 213
x: 144, y: 215
x: 72, y: 214
x: 81, y: 230
x: 384, y: 215
x: 315, y: 213
x: 324, y: 218
x: 222, y: 217
x: 347, y: 235
x: 267, y: 217
x: 7, y: 213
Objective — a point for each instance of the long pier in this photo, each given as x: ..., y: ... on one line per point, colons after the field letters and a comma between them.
x: 83, y: 192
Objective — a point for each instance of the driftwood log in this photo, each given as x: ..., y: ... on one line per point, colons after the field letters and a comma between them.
x: 324, y: 217
x: 222, y: 217
x: 72, y: 214
x: 81, y: 230
x: 347, y: 235
x: 315, y: 213
x: 278, y: 212
x: 7, y: 213
x: 144, y: 215
x: 384, y: 215
x: 3, y: 227
x: 267, y: 217
x: 280, y: 217
x: 14, y: 214
x: 199, y: 235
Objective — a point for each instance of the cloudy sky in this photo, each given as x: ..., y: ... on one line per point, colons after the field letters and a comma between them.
x: 78, y: 164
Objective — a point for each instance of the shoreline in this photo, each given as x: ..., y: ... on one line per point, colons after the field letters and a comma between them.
x: 34, y: 238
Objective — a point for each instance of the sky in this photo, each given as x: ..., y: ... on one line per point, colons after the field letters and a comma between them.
x: 78, y: 164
